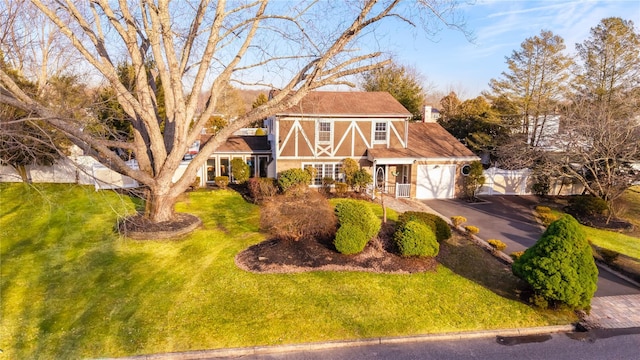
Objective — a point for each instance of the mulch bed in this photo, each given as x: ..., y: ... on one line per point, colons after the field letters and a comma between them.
x: 309, y: 254
x: 141, y: 228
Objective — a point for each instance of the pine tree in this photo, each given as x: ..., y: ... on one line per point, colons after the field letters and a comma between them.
x: 536, y: 80
x: 560, y: 267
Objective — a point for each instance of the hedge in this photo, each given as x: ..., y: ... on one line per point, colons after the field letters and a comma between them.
x: 434, y: 222
x: 358, y: 225
x: 414, y: 238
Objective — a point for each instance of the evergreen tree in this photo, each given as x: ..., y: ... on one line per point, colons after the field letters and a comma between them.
x: 535, y: 82
x: 560, y: 267
x: 403, y: 83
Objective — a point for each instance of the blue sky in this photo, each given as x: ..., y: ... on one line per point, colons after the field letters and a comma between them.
x: 449, y: 61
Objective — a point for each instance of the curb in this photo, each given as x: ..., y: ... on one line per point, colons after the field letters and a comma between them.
x: 262, y: 350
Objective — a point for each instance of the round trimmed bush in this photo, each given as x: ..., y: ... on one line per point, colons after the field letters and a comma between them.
x: 497, y: 244
x: 350, y: 239
x: 458, y: 220
x: 414, y: 238
x: 433, y: 221
x: 473, y: 230
x: 358, y: 213
x: 560, y: 266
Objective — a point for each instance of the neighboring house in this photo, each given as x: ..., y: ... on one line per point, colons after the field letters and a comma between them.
x: 546, y: 132
x: 417, y: 160
x: 430, y: 114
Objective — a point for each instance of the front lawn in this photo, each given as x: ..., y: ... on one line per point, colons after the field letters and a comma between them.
x: 612, y: 240
x: 71, y: 288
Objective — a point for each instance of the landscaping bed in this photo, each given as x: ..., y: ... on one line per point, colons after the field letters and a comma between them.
x: 310, y: 254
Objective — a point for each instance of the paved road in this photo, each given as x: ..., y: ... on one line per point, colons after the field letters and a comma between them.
x: 612, y: 344
x: 510, y: 219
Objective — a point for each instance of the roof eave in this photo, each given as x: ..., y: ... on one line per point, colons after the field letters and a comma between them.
x: 403, y: 116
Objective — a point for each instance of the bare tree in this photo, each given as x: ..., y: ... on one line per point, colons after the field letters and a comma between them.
x: 202, y: 46
x: 601, y: 148
x: 602, y: 122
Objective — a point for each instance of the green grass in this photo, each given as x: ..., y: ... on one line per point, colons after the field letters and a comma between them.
x: 630, y: 207
x: 71, y: 288
x: 611, y: 240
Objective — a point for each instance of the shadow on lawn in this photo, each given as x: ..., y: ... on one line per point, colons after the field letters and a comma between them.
x: 466, y: 259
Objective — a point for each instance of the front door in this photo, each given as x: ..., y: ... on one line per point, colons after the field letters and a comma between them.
x: 380, y: 177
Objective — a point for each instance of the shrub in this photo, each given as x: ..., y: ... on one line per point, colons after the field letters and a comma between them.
x: 221, y: 181
x: 240, y: 170
x: 327, y: 183
x: 542, y: 185
x: 473, y: 230
x: 560, y: 267
x: 434, y: 222
x: 586, y: 205
x: 497, y: 244
x: 474, y: 180
x: 361, y: 179
x: 341, y: 188
x: 546, y: 215
x: 350, y: 239
x: 294, y: 218
x: 516, y: 255
x: 292, y: 178
x: 458, y: 220
x: 355, y: 214
x: 414, y: 238
x: 349, y: 168
x: 261, y: 188
x: 548, y: 218
x: 543, y: 209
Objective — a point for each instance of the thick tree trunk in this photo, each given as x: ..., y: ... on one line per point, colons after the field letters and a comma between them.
x: 159, y: 206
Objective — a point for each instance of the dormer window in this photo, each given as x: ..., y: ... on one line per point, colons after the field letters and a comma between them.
x: 380, y: 133
x: 324, y: 132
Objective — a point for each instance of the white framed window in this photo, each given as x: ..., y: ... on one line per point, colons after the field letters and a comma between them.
x: 380, y: 132
x: 325, y: 170
x: 324, y: 132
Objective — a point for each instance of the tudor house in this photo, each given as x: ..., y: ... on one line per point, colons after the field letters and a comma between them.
x: 417, y: 160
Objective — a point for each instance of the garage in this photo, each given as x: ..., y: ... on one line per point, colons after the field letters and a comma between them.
x: 436, y: 181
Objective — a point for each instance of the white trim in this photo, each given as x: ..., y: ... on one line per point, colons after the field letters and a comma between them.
x: 374, y: 131
x: 393, y: 161
x: 324, y: 142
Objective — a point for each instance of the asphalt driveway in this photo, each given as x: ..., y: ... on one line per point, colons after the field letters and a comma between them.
x: 510, y: 219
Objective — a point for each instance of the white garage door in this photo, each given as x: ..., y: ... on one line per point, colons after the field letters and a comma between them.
x: 436, y: 181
